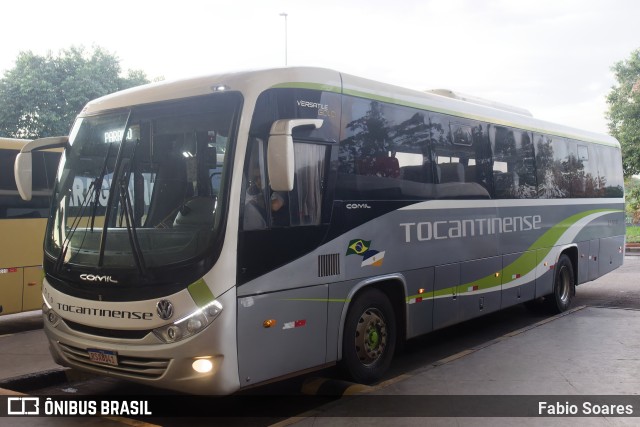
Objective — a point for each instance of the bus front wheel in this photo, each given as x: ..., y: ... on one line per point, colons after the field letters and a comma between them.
x: 369, y: 337
x: 563, y: 286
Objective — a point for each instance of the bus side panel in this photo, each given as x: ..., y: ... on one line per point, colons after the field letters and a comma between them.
x: 544, y: 273
x: 515, y: 267
x: 583, y: 262
x: 594, y: 255
x: 479, y: 289
x: 10, y: 290
x: 32, y: 288
x: 338, y: 302
x: 611, y: 254
x: 296, y: 339
x: 419, y: 305
x: 445, y: 301
x: 22, y: 241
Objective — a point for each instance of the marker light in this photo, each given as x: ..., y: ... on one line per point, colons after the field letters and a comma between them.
x: 202, y: 366
x: 49, y: 314
x: 219, y: 88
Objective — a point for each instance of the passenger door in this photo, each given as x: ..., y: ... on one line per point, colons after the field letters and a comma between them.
x: 282, y: 309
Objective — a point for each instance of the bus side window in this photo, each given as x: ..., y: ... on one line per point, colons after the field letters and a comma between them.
x: 461, y: 150
x: 552, y: 165
x: 305, y: 200
x: 265, y: 208
x: 513, y: 163
x: 302, y: 205
x: 44, y: 169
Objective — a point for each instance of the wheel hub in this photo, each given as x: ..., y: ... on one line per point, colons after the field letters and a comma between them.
x: 371, y: 336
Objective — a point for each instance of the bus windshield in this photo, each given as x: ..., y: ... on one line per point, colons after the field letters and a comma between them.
x: 143, y: 187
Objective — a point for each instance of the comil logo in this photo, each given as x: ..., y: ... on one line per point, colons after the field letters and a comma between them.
x: 97, y: 278
x: 358, y: 206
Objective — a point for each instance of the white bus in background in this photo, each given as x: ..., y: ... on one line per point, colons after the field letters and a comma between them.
x: 211, y: 234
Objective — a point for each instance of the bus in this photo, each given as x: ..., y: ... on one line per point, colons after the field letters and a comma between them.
x: 22, y: 225
x: 211, y: 234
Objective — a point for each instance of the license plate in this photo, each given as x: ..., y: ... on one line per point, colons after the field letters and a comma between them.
x: 106, y: 357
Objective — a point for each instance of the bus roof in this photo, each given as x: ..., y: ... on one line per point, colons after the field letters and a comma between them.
x: 252, y: 83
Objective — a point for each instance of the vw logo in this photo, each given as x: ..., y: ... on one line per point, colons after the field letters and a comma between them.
x: 164, y: 309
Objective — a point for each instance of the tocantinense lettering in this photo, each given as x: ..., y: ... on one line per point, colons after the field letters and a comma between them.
x: 102, y: 312
x: 454, y: 229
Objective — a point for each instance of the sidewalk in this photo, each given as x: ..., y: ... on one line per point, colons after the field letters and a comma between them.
x: 587, y: 351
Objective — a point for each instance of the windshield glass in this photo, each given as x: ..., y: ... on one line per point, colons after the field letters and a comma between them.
x: 144, y: 187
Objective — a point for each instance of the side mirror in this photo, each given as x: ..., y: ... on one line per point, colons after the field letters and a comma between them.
x: 280, y: 158
x: 23, y: 166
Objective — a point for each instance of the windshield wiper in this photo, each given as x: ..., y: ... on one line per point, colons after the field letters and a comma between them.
x: 122, y: 173
x: 98, y: 186
x: 129, y: 215
x: 116, y: 171
x: 74, y: 226
x: 130, y: 222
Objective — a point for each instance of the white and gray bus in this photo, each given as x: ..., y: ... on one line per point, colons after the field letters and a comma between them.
x: 211, y: 234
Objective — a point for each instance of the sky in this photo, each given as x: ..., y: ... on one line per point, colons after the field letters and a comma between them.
x: 552, y: 57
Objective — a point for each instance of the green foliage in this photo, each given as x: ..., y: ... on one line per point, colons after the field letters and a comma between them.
x: 633, y: 234
x: 632, y: 198
x: 624, y: 111
x: 41, y: 95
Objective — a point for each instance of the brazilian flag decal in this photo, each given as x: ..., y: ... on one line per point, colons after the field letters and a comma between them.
x: 358, y: 247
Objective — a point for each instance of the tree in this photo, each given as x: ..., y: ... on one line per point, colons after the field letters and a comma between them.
x: 624, y: 111
x: 41, y: 95
x: 632, y: 199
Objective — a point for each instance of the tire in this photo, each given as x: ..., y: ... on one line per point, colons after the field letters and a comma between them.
x: 369, y: 338
x: 563, y: 287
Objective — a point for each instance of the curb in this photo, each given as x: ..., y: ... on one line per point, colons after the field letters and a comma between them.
x: 632, y: 250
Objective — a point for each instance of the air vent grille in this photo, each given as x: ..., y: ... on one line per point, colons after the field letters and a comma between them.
x: 329, y: 265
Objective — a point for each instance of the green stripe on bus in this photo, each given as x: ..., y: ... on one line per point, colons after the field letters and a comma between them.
x: 200, y: 293
x: 522, y: 266
x: 525, y: 263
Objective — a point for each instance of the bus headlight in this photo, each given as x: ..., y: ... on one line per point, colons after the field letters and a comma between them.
x: 189, y: 325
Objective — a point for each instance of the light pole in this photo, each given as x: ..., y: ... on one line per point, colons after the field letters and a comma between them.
x: 285, y: 37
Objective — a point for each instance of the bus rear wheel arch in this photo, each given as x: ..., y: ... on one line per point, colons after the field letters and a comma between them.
x: 369, y: 338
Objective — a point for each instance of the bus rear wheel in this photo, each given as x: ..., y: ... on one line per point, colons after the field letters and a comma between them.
x: 563, y: 286
x: 369, y: 337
